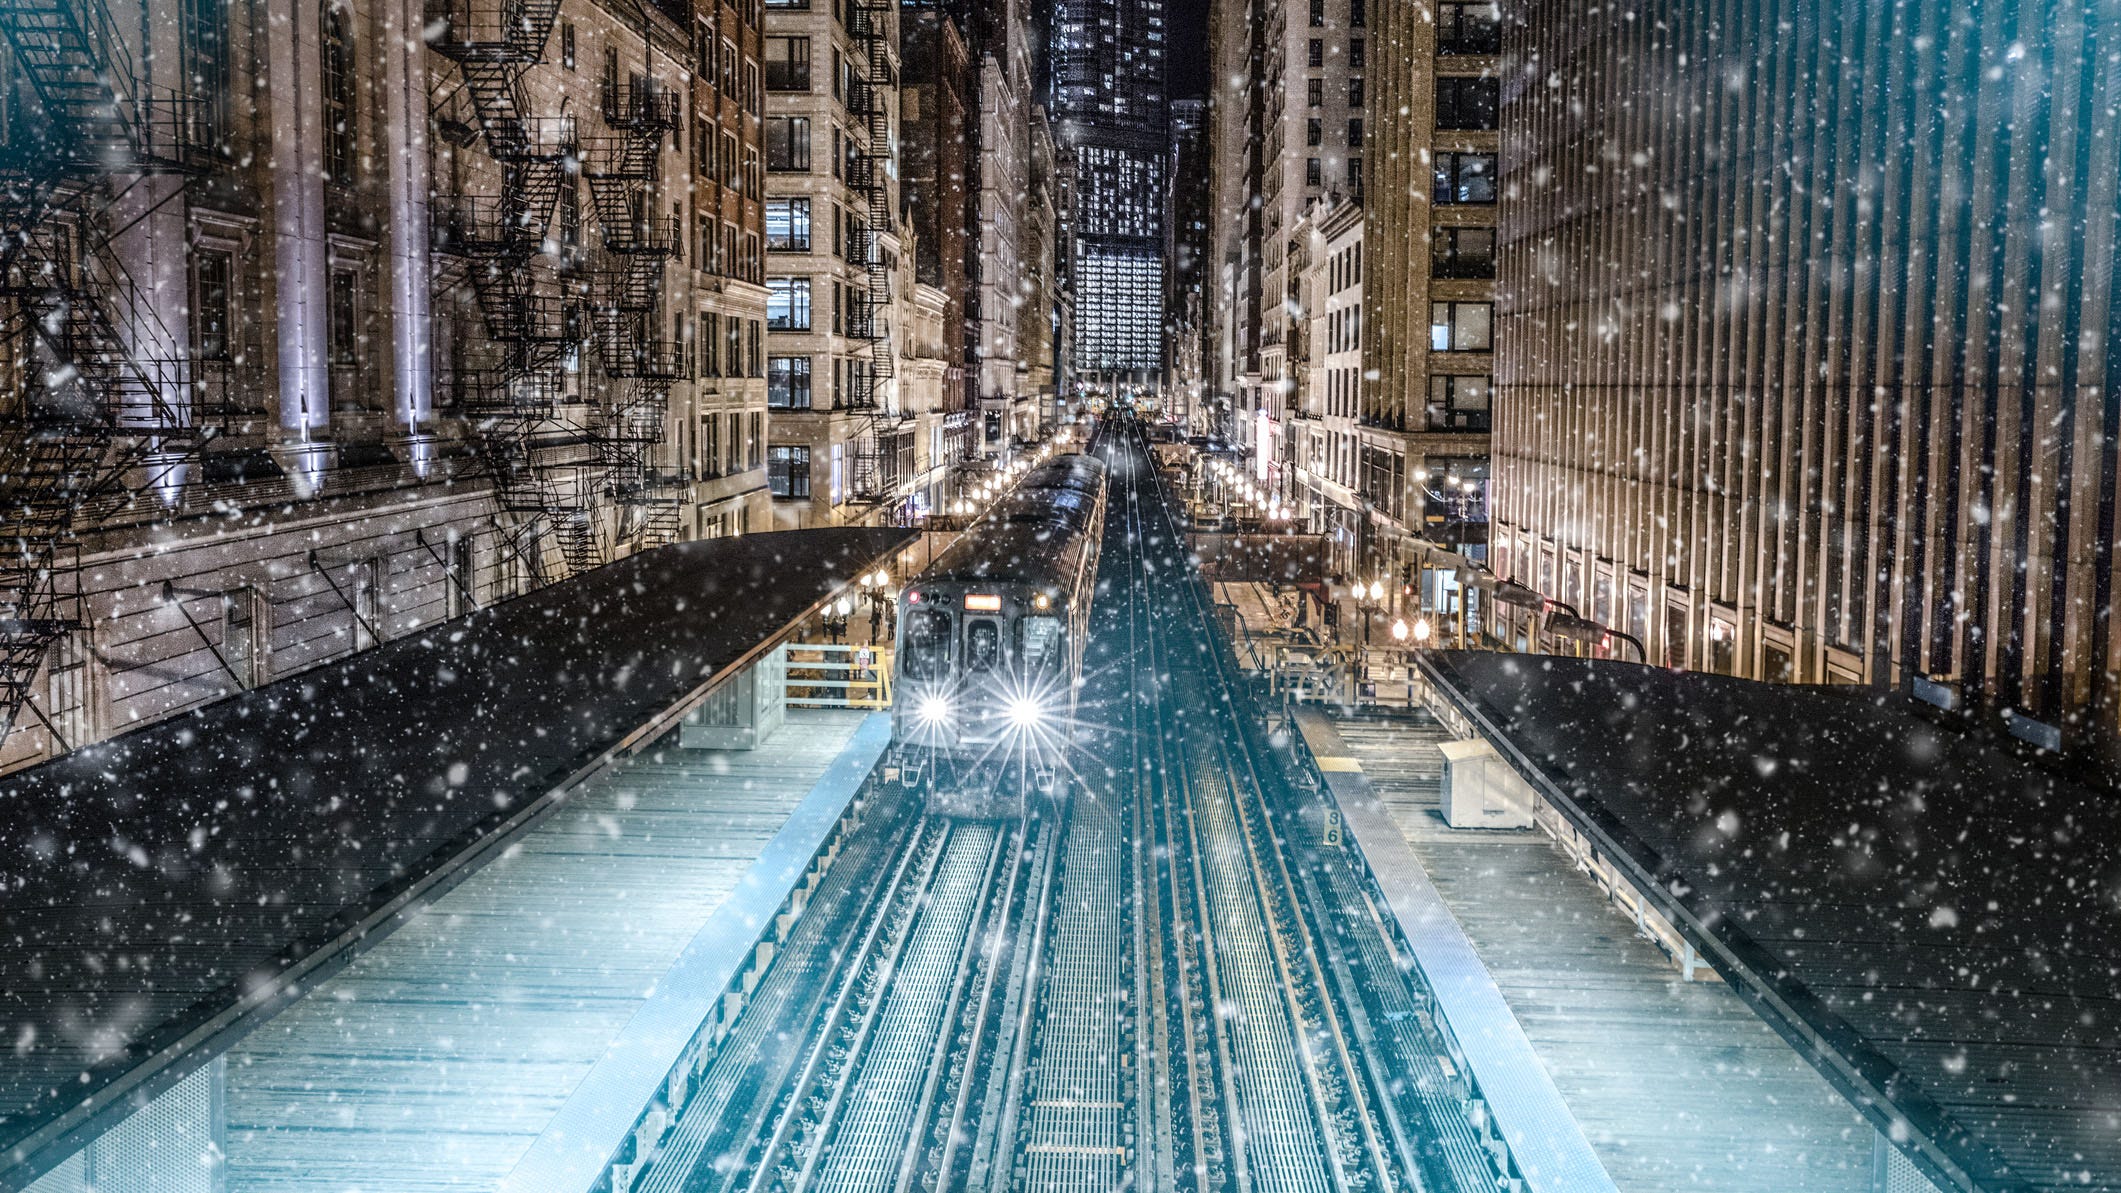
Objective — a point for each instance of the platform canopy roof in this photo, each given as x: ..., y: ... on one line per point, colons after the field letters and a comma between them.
x: 162, y: 892
x: 1929, y: 912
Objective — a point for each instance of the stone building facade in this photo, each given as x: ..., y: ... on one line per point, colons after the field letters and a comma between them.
x: 332, y: 369
x: 1431, y: 202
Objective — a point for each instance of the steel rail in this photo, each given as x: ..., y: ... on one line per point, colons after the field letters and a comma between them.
x: 922, y: 858
x: 1010, y: 845
x: 1231, y: 1137
x: 1268, y: 1059
x: 976, y: 1153
x: 834, y: 913
x: 863, y: 1120
x: 1267, y: 861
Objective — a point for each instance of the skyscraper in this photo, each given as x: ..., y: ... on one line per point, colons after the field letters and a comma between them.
x: 1811, y: 378
x: 1109, y: 103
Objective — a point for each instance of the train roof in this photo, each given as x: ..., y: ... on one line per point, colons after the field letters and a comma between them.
x: 1028, y: 535
x: 1073, y: 470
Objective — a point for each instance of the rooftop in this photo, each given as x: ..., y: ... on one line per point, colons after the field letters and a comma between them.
x: 1931, y: 917
x: 168, y: 889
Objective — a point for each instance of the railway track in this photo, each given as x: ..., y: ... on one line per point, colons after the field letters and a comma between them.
x: 1172, y: 980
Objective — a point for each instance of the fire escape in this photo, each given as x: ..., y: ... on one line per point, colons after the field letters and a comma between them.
x: 622, y: 171
x: 873, y: 478
x: 79, y: 406
x: 513, y: 390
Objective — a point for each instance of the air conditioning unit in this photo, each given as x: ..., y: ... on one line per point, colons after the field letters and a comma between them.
x: 1480, y: 790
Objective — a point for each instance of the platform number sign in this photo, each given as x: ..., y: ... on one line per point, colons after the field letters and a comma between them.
x: 1330, y: 835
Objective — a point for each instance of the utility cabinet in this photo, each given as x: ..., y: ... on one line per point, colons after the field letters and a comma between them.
x: 1480, y: 790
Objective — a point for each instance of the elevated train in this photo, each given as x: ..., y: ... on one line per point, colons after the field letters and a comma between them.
x: 991, y: 640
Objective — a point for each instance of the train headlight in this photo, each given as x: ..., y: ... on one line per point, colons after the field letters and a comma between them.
x: 932, y: 711
x: 1024, y: 712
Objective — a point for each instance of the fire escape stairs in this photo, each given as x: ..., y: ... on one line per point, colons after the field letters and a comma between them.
x: 873, y: 479
x: 621, y: 170
x: 79, y: 386
x: 515, y: 406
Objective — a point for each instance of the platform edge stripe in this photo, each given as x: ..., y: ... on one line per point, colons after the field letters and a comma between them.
x: 571, y: 1153
x: 1546, y: 1142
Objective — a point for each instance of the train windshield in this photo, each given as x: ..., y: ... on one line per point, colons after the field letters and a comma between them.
x: 927, y: 644
x: 1038, y: 643
x: 983, y: 645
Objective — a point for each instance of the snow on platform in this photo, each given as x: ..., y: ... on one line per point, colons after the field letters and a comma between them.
x: 169, y: 889
x: 1677, y: 1084
x: 435, y: 1059
x: 1930, y: 913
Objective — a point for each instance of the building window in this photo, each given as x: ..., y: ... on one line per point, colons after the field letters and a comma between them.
x: 570, y: 210
x: 1459, y: 403
x: 340, y: 136
x: 1466, y: 103
x: 708, y: 458
x: 710, y: 337
x: 787, y: 143
x: 1314, y: 132
x: 788, y: 382
x: 206, y: 63
x: 567, y: 45
x: 1318, y: 13
x: 1315, y: 92
x: 1355, y: 177
x: 1355, y: 93
x: 1355, y: 53
x: 1314, y: 174
x: 1461, y: 326
x: 344, y: 318
x: 1469, y: 28
x: 788, y: 225
x: 787, y: 64
x: 213, y: 294
x: 1464, y: 178
x: 1318, y: 52
x: 788, y: 304
x: 733, y: 347
x: 1358, y: 14
x: 1355, y: 132
x: 788, y: 471
x: 1462, y: 253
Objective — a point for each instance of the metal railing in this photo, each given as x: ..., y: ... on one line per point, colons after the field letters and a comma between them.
x: 837, y: 675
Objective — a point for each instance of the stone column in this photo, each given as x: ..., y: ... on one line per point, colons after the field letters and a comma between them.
x: 150, y: 293
x: 405, y: 152
x: 302, y: 279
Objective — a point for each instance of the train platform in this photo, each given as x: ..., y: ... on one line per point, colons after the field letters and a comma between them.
x: 1676, y: 1084
x: 174, y: 888
x: 508, y: 1027
x: 1926, y: 910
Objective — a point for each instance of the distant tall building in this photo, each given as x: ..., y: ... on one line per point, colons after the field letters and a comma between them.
x: 1187, y: 254
x: 1107, y: 63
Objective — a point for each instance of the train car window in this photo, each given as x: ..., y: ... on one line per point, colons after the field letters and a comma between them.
x: 1038, y: 643
x: 927, y: 644
x: 983, y: 645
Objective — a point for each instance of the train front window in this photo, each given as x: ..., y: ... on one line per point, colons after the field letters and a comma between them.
x: 927, y: 644
x: 983, y: 645
x: 1038, y: 643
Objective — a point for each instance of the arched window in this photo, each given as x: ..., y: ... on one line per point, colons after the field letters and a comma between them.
x: 341, y: 144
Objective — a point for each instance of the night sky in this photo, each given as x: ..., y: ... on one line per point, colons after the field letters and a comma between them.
x: 1187, y: 29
